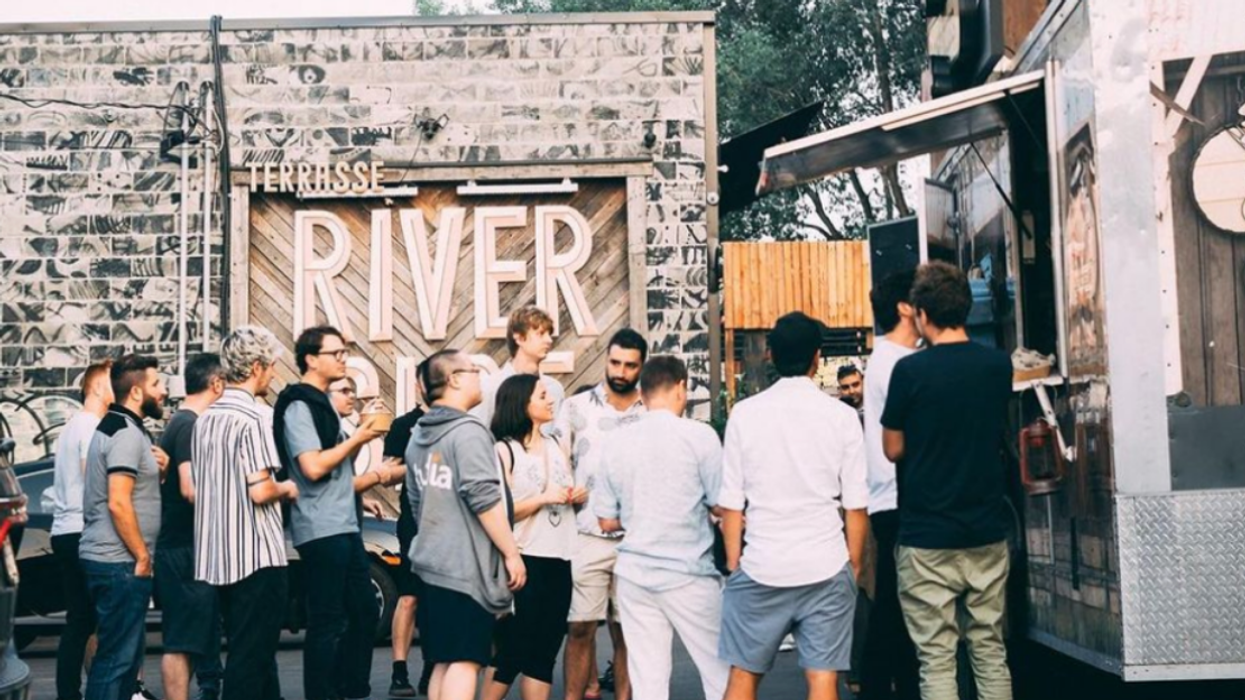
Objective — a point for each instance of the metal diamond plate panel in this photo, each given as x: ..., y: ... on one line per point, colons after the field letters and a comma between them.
x: 1182, y: 571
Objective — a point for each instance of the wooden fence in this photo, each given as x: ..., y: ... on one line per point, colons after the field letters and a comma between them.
x: 763, y: 281
x: 828, y: 281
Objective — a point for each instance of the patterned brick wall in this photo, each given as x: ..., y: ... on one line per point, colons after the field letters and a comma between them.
x: 88, y: 216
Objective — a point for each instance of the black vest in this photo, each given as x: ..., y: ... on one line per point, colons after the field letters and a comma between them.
x: 328, y: 423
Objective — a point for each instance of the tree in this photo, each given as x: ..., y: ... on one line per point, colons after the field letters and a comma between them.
x: 861, y: 57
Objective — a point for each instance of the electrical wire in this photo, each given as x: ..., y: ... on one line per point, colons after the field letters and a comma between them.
x: 44, y: 102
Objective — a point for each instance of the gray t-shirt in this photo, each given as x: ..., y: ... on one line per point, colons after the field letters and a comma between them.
x: 120, y: 446
x: 326, y: 507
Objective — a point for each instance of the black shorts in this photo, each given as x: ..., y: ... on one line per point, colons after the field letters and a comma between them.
x: 453, y: 627
x: 529, y: 640
x: 408, y: 581
x: 190, y: 614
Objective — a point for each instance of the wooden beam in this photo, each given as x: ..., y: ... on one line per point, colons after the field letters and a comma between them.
x: 637, y: 250
x: 239, y: 271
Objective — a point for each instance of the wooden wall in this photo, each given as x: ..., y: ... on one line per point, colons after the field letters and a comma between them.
x: 828, y: 281
x: 605, y: 278
x: 1210, y: 262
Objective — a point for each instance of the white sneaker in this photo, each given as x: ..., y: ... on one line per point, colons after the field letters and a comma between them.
x: 141, y: 693
x: 788, y: 644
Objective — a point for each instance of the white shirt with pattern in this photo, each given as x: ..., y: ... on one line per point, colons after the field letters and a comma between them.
x: 585, y: 420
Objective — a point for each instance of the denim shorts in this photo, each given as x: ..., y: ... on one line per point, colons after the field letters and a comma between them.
x: 756, y: 617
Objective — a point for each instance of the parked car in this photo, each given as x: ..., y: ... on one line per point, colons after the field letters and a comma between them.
x: 41, y: 607
x: 14, y: 674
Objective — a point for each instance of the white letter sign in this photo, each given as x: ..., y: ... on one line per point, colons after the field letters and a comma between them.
x: 380, y: 281
x: 491, y: 272
x: 556, y: 270
x: 433, y: 280
x: 318, y: 273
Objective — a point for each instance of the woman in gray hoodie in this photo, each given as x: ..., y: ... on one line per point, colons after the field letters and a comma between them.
x: 464, y: 551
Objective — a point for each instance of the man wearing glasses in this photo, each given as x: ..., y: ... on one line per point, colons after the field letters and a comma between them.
x: 319, y: 458
x: 465, y: 552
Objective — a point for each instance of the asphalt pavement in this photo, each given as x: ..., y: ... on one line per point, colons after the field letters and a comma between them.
x: 785, y: 682
x: 1038, y: 674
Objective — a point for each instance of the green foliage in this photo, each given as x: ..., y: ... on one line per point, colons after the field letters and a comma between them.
x: 862, y: 57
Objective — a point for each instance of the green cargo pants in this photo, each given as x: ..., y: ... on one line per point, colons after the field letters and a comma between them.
x: 931, y: 581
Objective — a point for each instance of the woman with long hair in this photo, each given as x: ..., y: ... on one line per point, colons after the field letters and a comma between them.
x: 539, y: 475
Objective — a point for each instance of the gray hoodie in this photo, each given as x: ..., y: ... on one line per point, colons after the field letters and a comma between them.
x: 452, y: 476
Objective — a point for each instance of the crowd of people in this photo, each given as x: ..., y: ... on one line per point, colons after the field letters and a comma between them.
x: 529, y: 518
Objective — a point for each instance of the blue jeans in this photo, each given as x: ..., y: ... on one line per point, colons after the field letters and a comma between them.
x: 121, y: 601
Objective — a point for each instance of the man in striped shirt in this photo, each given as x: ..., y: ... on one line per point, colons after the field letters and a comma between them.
x: 239, y: 540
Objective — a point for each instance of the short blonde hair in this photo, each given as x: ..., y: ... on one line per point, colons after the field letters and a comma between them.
x: 523, y: 321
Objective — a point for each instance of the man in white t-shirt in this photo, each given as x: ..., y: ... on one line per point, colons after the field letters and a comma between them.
x: 529, y: 337
x: 793, y: 456
x: 889, y: 658
x: 67, y: 523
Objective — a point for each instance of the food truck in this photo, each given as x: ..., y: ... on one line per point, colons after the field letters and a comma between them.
x: 1090, y: 178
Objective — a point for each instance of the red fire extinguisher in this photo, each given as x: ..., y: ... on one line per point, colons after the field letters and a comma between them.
x: 1041, y: 463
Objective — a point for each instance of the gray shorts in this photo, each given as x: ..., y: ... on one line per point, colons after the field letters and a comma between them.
x: 756, y: 617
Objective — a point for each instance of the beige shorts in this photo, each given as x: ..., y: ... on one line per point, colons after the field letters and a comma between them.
x: 595, y: 589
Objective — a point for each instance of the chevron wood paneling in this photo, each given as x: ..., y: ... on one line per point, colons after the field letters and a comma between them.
x: 605, y: 278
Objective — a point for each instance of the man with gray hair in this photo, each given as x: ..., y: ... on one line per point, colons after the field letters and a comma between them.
x: 238, y: 530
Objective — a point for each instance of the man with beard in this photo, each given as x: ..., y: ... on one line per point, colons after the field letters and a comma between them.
x: 319, y: 457
x: 582, y: 425
x: 121, y: 513
x: 233, y: 462
x: 852, y: 388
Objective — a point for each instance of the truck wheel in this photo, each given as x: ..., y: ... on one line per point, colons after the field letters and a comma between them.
x: 386, y: 598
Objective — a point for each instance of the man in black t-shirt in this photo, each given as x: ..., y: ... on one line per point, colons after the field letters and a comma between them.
x: 408, y: 583
x: 191, y: 619
x: 946, y: 411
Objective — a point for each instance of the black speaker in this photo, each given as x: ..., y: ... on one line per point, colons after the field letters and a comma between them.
x: 894, y: 246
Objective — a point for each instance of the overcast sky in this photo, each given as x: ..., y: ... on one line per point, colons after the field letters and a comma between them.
x: 127, y: 10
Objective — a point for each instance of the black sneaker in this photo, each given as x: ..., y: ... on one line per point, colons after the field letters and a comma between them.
x: 401, y: 688
x: 607, y: 679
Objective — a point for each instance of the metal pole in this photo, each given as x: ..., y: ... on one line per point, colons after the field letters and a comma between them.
x: 206, y: 289
x: 184, y: 261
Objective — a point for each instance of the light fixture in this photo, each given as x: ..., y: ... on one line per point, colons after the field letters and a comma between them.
x: 175, y: 143
x: 178, y: 137
x: 564, y: 187
x: 431, y: 127
x: 402, y: 191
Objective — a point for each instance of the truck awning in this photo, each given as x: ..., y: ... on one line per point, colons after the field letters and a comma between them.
x: 940, y: 124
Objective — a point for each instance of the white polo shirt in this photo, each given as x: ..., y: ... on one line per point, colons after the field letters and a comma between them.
x: 793, y: 455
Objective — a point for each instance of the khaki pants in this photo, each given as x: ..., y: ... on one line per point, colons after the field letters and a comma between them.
x: 931, y: 581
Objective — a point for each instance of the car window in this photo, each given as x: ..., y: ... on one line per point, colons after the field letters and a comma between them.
x: 38, y: 489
